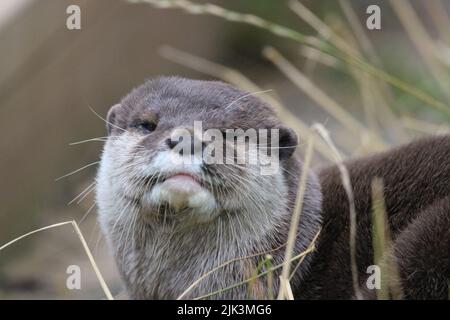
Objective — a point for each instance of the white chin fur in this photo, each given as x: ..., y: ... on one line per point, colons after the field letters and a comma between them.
x: 183, y: 195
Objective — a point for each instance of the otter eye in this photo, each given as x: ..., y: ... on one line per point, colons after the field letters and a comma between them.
x: 146, y: 126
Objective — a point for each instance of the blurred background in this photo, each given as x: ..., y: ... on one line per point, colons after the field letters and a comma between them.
x: 53, y: 81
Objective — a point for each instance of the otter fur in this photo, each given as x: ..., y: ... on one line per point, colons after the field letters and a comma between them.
x: 168, y: 223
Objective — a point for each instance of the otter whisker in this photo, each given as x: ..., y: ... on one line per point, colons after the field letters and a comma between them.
x: 106, y: 121
x: 78, y: 170
x: 87, y: 193
x: 101, y: 139
x: 87, y: 212
x: 119, y: 219
x: 82, y: 192
x: 245, y: 96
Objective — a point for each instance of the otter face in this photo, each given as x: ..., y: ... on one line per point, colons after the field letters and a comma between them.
x: 157, y: 163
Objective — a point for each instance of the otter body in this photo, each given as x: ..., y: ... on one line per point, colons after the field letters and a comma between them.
x: 416, y: 180
x: 169, y: 223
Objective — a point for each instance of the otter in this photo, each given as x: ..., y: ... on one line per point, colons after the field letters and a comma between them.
x: 170, y: 223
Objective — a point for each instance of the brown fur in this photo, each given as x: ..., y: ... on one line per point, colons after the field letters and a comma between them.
x: 417, y: 195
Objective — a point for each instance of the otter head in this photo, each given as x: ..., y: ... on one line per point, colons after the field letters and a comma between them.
x: 151, y: 161
x: 197, y: 169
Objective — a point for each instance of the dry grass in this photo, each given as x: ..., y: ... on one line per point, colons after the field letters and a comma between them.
x: 351, y: 50
x: 73, y: 223
x: 345, y: 177
x: 284, y: 32
x: 299, y: 256
x: 285, y: 288
x: 382, y: 245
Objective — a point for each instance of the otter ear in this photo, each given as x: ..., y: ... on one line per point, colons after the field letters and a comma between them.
x: 287, y: 142
x: 111, y: 118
